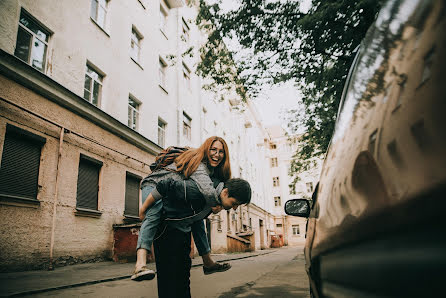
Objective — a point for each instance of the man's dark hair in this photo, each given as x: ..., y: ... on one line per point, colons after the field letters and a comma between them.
x: 239, y: 189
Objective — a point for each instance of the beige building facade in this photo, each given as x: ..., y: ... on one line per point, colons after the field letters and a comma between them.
x: 90, y: 92
x: 290, y: 229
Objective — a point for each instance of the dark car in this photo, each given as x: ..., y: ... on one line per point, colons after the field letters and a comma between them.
x: 376, y: 225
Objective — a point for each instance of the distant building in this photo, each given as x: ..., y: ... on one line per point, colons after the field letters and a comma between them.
x: 290, y: 229
x: 90, y: 92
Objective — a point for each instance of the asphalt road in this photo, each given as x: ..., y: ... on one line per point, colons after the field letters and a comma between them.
x: 278, y: 274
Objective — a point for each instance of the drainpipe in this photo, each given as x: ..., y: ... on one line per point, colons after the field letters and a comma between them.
x: 53, y: 226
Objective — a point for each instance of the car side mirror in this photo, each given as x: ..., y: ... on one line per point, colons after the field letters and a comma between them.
x: 298, y: 207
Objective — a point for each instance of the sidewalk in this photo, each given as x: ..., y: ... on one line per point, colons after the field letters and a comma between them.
x: 32, y: 282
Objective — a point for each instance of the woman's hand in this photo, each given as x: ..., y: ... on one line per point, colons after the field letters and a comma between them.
x: 216, y: 209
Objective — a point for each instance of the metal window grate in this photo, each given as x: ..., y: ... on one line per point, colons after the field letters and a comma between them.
x: 132, y: 195
x: 88, y: 184
x: 19, y: 171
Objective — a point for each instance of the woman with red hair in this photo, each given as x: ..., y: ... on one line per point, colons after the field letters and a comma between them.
x: 211, y: 159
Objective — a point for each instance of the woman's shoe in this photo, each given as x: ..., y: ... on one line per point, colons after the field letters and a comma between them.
x: 216, y: 268
x: 143, y: 273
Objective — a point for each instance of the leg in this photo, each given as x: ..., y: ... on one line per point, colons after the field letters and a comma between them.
x: 145, y: 239
x: 173, y: 263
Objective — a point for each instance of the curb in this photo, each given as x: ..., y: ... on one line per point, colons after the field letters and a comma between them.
x: 86, y: 283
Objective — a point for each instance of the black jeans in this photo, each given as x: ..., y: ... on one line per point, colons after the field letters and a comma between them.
x: 172, y: 249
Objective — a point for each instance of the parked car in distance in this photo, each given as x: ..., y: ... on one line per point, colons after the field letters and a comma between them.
x: 376, y: 225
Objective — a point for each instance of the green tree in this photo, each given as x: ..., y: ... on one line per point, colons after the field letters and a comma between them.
x: 279, y: 42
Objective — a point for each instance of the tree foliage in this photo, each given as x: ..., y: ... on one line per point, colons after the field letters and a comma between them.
x: 279, y: 42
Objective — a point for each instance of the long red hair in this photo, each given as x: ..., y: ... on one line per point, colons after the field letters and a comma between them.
x: 188, y: 162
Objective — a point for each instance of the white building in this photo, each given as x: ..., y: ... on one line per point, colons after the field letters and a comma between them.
x: 100, y: 87
x: 281, y: 150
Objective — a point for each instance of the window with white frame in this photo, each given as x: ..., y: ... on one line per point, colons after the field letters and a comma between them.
x: 135, y: 45
x: 98, y: 12
x: 186, y: 77
x: 292, y: 188
x: 272, y: 146
x: 161, y: 132
x: 163, y: 19
x: 133, y: 113
x: 276, y: 181
x: 187, y: 126
x: 204, y: 120
x: 162, y: 73
x: 277, y: 202
x: 32, y: 42
x: 274, y: 162
x: 93, y: 86
x: 296, y: 230
x: 309, y: 186
x: 185, y: 36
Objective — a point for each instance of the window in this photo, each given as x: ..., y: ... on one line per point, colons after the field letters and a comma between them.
x: 204, y: 120
x: 98, y: 12
x: 133, y: 113
x: 187, y: 124
x: 274, y: 162
x: 88, y: 183
x: 186, y: 77
x: 296, y: 230
x: 131, y: 195
x: 278, y: 225
x: 277, y: 201
x: 92, y: 86
x: 19, y: 171
x: 185, y: 32
x: 272, y: 146
x: 32, y: 42
x: 276, y: 181
x: 292, y: 188
x: 135, y: 45
x: 162, y: 73
x: 428, y: 61
x: 161, y: 133
x: 309, y: 187
x: 163, y: 19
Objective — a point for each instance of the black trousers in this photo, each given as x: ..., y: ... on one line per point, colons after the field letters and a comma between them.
x: 172, y: 249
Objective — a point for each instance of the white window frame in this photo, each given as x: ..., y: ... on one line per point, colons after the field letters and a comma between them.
x: 35, y: 36
x: 186, y: 77
x: 276, y: 182
x: 164, y: 14
x: 310, y: 187
x: 296, y: 230
x: 133, y: 113
x: 277, y: 201
x: 162, y: 73
x: 185, y: 35
x: 99, y: 6
x: 204, y: 116
x: 274, y: 162
x: 135, y: 45
x: 99, y: 78
x: 162, y: 125
x: 187, y: 126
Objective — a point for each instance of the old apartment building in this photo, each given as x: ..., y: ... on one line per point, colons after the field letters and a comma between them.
x: 90, y: 92
x: 290, y: 229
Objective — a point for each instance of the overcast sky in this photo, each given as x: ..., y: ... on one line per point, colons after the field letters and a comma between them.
x: 274, y: 104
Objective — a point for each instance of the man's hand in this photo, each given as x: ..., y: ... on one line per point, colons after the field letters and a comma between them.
x: 142, y: 214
